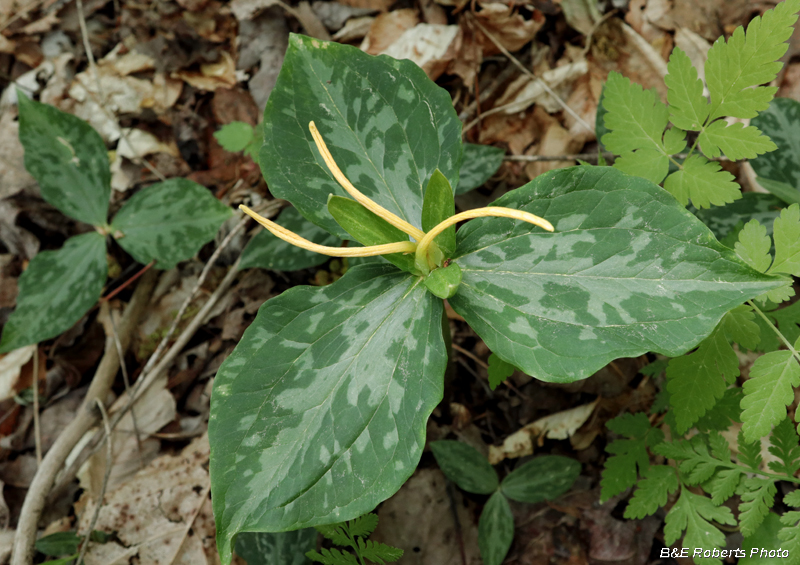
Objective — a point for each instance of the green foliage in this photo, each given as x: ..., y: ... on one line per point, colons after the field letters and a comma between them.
x: 637, y: 121
x: 239, y: 136
x: 437, y: 206
x: 465, y: 466
x: 495, y: 530
x: 543, y: 478
x: 726, y: 220
x: 627, y: 455
x: 784, y: 446
x: 498, y: 371
x: 758, y: 496
x: 353, y: 535
x: 778, y: 171
x: 59, y: 543
x: 768, y: 391
x: 286, y: 548
x: 658, y: 482
x: 693, y: 514
x: 444, y: 281
x: 478, y: 164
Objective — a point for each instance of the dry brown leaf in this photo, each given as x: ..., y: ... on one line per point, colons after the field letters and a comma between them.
x: 517, y: 131
x: 377, y: 5
x: 13, y: 176
x: 11, y: 368
x: 524, y: 92
x: 430, y: 46
x: 127, y: 64
x: 580, y: 14
x: 355, y: 28
x: 247, y: 9
x: 387, y: 28
x: 560, y: 425
x: 6, y: 45
x: 310, y: 21
x: 507, y: 26
x: 211, y: 76
x: 584, y: 100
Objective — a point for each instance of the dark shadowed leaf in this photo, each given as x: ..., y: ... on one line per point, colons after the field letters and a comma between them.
x: 781, y: 122
x: 56, y: 289
x: 544, y: 478
x: 59, y: 543
x: 628, y: 270
x: 269, y: 252
x: 495, y: 530
x: 319, y: 413
x: 67, y: 158
x: 478, y: 164
x: 386, y: 124
x: 753, y: 205
x: 169, y: 222
x: 284, y: 548
x: 465, y: 466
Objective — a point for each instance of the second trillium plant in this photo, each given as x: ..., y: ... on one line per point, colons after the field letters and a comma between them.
x: 319, y: 413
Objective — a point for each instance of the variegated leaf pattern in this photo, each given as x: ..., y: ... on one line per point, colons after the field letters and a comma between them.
x: 781, y: 122
x: 752, y: 206
x: 68, y: 159
x: 56, y: 289
x: 319, y: 413
x: 386, y: 124
x: 269, y: 252
x: 169, y: 222
x: 478, y: 164
x: 628, y: 270
x: 283, y: 548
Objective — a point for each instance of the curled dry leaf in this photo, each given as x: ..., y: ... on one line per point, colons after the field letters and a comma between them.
x: 387, y: 29
x: 11, y: 368
x: 355, y: 28
x: 13, y: 176
x: 508, y: 26
x: 211, y: 76
x: 524, y: 92
x: 431, y: 46
x: 560, y: 425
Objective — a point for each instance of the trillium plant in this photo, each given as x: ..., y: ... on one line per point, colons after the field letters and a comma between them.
x: 319, y: 413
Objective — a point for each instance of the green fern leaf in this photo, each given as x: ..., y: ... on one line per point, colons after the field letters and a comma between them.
x: 652, y: 491
x: 749, y: 452
x: 363, y: 525
x: 688, y: 108
x: 749, y: 59
x: 725, y: 411
x: 719, y: 446
x: 767, y: 392
x: 635, y: 116
x: 754, y: 245
x: 336, y: 533
x: 784, y: 446
x: 735, y: 140
x: 740, y: 326
x: 378, y: 552
x: 793, y: 498
x: 757, y: 498
x: 703, y: 182
x: 332, y: 557
x: 620, y: 470
x: 723, y: 485
x: 786, y: 232
x: 693, y: 513
x: 499, y: 370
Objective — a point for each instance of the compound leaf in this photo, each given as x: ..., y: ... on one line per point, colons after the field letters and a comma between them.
x: 781, y: 122
x: 735, y: 140
x: 652, y: 491
x: 786, y: 232
x: 749, y: 452
x: 498, y: 370
x: 363, y: 525
x: 694, y: 513
x: 757, y: 498
x: 543, y: 478
x: 749, y: 59
x: 465, y: 466
x: 688, y: 108
x: 68, y: 159
x: 635, y: 116
x: 478, y: 164
x: 703, y: 182
x: 56, y: 290
x: 169, y: 222
x: 637, y: 273
x: 726, y: 409
x: 319, y: 413
x: 379, y: 552
x: 723, y: 485
x: 333, y: 557
x: 754, y: 245
x: 784, y: 446
x: 620, y: 471
x: 287, y: 548
x: 650, y: 164
x: 235, y: 136
x: 767, y: 392
x: 266, y: 251
x: 495, y: 530
x: 386, y: 124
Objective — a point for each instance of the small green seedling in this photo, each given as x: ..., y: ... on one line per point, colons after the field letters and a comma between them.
x: 543, y: 478
x: 353, y: 535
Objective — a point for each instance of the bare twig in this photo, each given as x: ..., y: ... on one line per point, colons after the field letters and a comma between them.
x: 125, y: 379
x: 85, y: 418
x: 104, y: 486
x: 37, y: 430
x: 486, y: 93
x: 526, y: 72
x: 472, y: 356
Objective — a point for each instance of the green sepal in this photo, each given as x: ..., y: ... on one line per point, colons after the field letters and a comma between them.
x: 438, y: 206
x: 369, y: 229
x: 169, y: 222
x: 56, y: 290
x: 444, y: 281
x: 68, y: 159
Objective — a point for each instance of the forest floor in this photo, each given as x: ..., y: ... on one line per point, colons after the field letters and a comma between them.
x: 172, y: 72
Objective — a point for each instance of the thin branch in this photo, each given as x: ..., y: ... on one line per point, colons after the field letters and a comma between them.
x: 37, y: 430
x: 104, y: 486
x: 486, y: 93
x: 126, y: 380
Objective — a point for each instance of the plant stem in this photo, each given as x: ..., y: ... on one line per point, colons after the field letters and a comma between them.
x: 776, y: 330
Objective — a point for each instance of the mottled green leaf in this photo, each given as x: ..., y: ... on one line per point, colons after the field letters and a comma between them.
x: 478, y: 164
x: 235, y: 136
x: 658, y: 482
x: 768, y: 391
x: 749, y: 59
x: 543, y: 478
x: 56, y: 290
x: 59, y: 543
x: 781, y: 122
x: 436, y: 208
x: 465, y: 466
x: 444, y: 281
x: 703, y: 182
x: 319, y: 413
x: 286, y: 548
x: 387, y: 125
x: 495, y: 530
x: 266, y: 251
x: 169, y: 222
x: 752, y: 206
x: 68, y: 159
x: 785, y: 192
x: 688, y: 108
x: 628, y: 270
x: 735, y: 140
x: 369, y: 229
